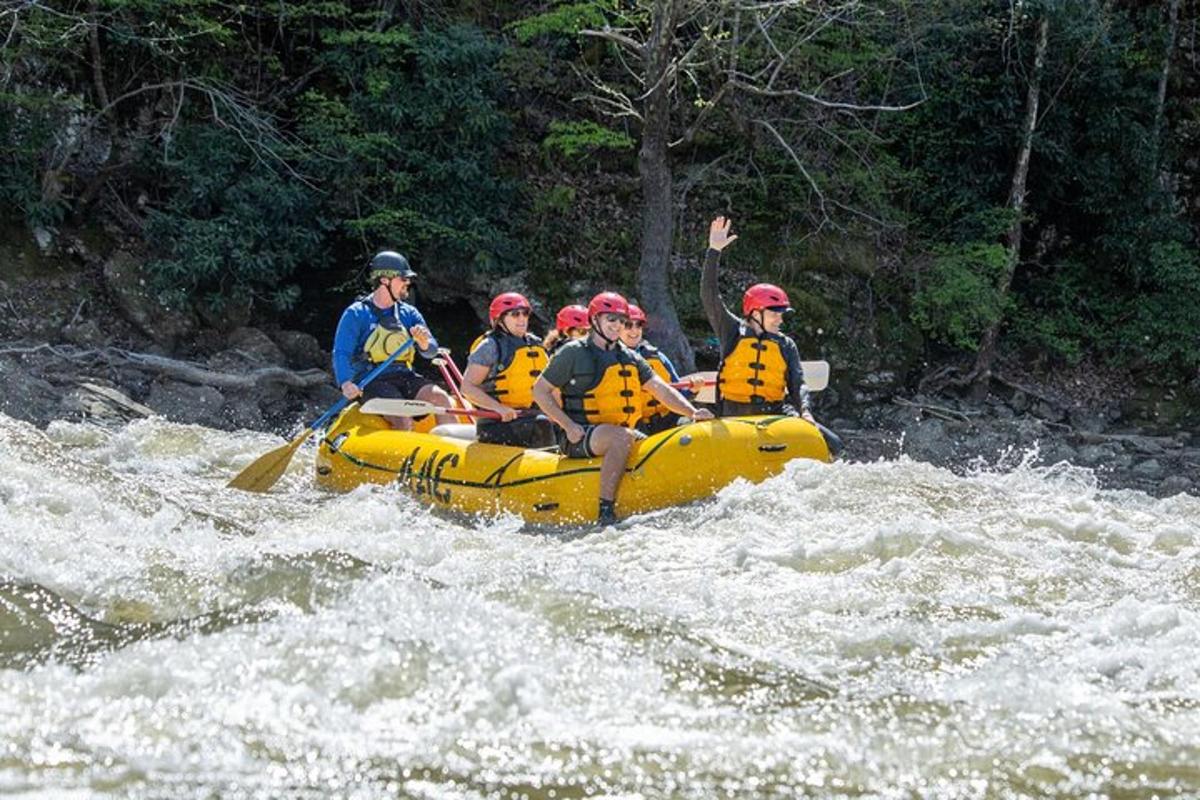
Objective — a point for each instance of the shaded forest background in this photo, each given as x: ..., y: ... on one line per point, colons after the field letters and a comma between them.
x: 940, y: 185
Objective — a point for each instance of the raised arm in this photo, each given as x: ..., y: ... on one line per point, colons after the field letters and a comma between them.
x: 724, y: 323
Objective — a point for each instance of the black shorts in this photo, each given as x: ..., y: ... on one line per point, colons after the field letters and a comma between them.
x: 583, y: 448
x: 580, y: 449
x: 396, y: 385
x: 533, y: 431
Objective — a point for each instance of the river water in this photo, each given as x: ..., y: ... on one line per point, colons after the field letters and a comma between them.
x: 847, y: 630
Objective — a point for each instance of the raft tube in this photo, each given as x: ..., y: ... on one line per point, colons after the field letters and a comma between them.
x: 677, y: 466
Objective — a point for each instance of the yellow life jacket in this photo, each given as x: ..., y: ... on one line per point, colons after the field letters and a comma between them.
x: 755, y: 371
x: 651, y: 406
x: 613, y: 397
x: 388, y: 336
x: 520, y: 363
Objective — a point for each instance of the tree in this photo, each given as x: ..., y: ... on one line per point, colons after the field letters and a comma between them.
x: 686, y: 63
x: 982, y: 371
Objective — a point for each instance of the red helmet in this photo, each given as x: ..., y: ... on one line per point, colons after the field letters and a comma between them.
x: 764, y: 295
x: 571, y: 317
x: 509, y: 301
x: 607, y: 303
x: 636, y: 314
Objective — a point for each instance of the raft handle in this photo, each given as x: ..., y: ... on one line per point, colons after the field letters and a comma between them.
x: 545, y: 506
x: 772, y: 448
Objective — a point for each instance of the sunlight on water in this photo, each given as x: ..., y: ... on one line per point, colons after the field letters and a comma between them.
x: 887, y: 629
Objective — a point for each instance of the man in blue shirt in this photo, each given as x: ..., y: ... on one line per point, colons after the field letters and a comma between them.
x: 375, y: 326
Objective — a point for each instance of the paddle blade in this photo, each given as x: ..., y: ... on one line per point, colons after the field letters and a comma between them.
x: 265, y: 470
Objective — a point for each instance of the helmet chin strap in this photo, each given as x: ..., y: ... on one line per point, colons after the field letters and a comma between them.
x: 761, y: 321
x: 610, y: 343
x: 395, y: 299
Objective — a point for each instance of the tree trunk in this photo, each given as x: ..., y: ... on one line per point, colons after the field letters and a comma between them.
x: 658, y: 224
x: 982, y: 372
x: 1163, y: 78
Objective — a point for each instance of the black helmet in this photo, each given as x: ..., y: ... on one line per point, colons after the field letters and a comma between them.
x: 390, y: 264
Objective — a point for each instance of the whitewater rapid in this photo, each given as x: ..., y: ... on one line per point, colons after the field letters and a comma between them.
x: 881, y: 630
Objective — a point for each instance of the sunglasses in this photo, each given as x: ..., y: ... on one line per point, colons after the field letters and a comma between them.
x: 630, y: 324
x: 621, y: 318
x: 518, y: 312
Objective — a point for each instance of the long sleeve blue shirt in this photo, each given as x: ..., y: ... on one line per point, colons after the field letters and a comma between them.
x: 361, y: 317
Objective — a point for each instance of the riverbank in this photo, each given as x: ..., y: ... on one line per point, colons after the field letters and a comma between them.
x: 277, y: 380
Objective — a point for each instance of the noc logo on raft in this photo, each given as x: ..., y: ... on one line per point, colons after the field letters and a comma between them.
x: 426, y: 479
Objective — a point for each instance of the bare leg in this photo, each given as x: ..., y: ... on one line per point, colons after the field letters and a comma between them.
x: 432, y: 394
x: 613, y: 443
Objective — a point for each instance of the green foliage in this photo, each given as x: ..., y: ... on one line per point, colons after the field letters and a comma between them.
x: 410, y: 132
x: 959, y: 295
x: 565, y: 19
x: 572, y: 139
x: 233, y: 226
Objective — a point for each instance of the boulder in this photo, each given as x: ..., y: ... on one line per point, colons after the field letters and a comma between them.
x: 188, y: 403
x: 229, y: 315
x: 24, y: 396
x: 242, y: 411
x: 103, y: 404
x: 1176, y: 484
x: 126, y: 281
x: 1150, y: 469
x: 927, y: 440
x: 301, y: 350
x: 1096, y: 455
x: 85, y: 334
x: 256, y: 346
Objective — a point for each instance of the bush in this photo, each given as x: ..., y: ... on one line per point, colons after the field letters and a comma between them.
x: 233, y: 226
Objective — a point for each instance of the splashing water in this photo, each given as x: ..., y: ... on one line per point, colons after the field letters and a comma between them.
x: 846, y: 630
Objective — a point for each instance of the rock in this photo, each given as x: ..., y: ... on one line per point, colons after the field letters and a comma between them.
x: 1176, y: 484
x: 1145, y: 445
x: 1120, y: 461
x: 25, y: 396
x: 1019, y: 402
x: 185, y: 402
x: 1091, y: 420
x: 927, y: 440
x: 301, y: 350
x: 1048, y: 411
x: 1093, y: 455
x: 103, y: 404
x: 242, y: 411
x: 877, y: 380
x: 257, y: 346
x: 130, y: 290
x: 230, y: 315
x: 85, y: 334
x: 1150, y: 469
x: 1029, y: 430
x: 1057, y: 452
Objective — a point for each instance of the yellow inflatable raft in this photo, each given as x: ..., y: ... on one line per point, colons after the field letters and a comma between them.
x: 677, y: 466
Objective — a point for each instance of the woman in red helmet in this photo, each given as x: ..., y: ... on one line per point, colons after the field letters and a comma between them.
x: 656, y: 417
x: 501, y: 370
x: 601, y: 383
x: 760, y: 371
x: 571, y: 323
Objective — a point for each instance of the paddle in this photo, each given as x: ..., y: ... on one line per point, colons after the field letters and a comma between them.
x: 395, y: 407
x: 265, y: 470
x: 816, y: 378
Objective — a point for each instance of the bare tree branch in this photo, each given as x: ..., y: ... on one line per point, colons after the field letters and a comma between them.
x: 812, y: 98
x: 637, y: 48
x: 799, y: 165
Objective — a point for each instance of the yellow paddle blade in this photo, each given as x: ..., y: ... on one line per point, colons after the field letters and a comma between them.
x: 265, y: 470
